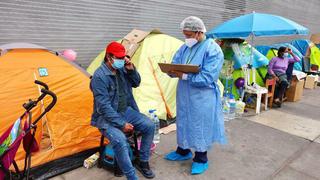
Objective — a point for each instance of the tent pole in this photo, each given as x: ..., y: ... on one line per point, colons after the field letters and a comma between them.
x: 169, y: 113
x: 253, y: 69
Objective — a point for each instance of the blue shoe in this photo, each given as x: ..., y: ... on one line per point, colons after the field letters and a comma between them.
x: 174, y: 156
x: 199, y: 168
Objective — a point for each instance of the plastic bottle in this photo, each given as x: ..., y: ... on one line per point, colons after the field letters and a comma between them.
x: 226, y: 107
x: 232, y: 104
x: 155, y: 119
x: 240, y: 108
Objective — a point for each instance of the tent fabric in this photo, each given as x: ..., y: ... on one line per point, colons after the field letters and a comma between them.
x: 263, y: 49
x: 260, y: 74
x: 66, y: 129
x: 20, y: 46
x: 272, y: 53
x: 257, y: 24
x: 157, y: 90
x: 302, y: 45
x: 315, y: 56
x: 242, y: 56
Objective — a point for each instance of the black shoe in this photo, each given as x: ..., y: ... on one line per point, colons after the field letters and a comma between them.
x: 118, y: 172
x: 278, y: 104
x: 145, y: 170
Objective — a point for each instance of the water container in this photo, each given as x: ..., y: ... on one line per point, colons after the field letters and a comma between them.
x: 232, y: 105
x: 240, y: 108
x: 155, y: 119
x: 226, y: 107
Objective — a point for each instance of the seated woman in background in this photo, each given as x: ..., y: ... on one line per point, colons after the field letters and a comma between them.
x: 277, y: 69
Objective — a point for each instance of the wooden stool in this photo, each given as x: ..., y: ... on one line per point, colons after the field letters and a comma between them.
x: 270, y: 85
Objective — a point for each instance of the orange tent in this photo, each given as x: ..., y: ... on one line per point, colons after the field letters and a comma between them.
x: 66, y: 129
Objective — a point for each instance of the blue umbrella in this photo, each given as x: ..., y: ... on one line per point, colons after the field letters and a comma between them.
x: 257, y: 24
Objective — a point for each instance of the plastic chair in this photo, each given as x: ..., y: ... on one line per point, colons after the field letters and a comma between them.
x: 253, y: 88
x: 259, y: 92
x: 270, y: 95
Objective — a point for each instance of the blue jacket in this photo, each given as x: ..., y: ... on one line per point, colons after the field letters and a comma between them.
x: 106, y: 99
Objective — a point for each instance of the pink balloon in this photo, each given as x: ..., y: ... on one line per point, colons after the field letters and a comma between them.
x: 69, y: 54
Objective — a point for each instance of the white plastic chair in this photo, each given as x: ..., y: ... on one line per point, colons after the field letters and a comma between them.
x: 257, y: 90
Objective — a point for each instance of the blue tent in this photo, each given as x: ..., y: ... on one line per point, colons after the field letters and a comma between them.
x: 263, y: 49
x: 302, y: 45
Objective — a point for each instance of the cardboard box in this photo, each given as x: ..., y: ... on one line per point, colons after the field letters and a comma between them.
x: 315, y: 38
x: 132, y: 40
x: 294, y: 93
x: 311, y: 82
x: 130, y: 47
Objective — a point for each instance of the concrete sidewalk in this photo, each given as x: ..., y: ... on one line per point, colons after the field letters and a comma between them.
x: 278, y: 144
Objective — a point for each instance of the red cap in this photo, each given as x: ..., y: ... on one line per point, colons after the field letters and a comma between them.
x: 116, y: 49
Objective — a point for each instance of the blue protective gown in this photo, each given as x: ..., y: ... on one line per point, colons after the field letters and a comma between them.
x: 200, y: 120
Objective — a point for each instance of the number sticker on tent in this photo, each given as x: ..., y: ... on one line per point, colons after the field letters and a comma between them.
x: 43, y: 72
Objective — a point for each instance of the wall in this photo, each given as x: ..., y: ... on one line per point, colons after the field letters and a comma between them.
x: 88, y: 25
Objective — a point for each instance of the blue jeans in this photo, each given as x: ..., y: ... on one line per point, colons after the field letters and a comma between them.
x: 119, y: 143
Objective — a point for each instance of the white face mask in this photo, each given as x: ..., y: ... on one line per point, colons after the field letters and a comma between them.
x: 191, y: 42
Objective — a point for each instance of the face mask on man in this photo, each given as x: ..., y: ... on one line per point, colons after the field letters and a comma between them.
x: 118, y: 63
x: 191, y: 42
x: 285, y: 55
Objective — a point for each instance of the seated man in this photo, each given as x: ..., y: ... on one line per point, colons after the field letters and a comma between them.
x: 277, y: 69
x: 116, y: 112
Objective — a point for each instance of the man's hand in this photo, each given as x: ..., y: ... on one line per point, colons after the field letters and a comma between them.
x: 276, y: 78
x: 128, y: 64
x: 127, y: 128
x: 176, y: 74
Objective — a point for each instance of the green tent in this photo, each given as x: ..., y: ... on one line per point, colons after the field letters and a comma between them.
x: 237, y: 73
x: 315, y: 56
x: 260, y: 74
x: 157, y: 90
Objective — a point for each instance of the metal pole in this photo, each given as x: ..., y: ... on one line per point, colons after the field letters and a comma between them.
x: 253, y: 69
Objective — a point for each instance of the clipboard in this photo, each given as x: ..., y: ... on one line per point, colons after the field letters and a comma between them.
x: 185, y: 68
